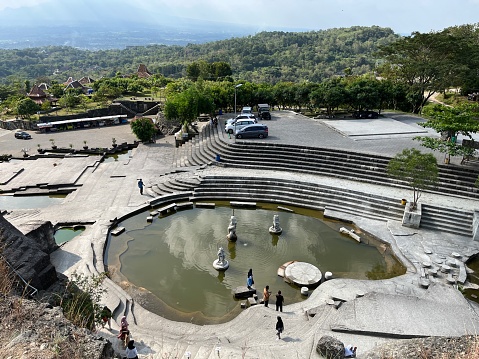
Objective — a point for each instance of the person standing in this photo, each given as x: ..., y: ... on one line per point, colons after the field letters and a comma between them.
x: 279, y: 327
x: 266, y: 295
x: 279, y: 301
x: 140, y: 185
x: 249, y: 282
x: 131, y: 352
x: 249, y: 279
x: 250, y: 274
x: 106, y: 317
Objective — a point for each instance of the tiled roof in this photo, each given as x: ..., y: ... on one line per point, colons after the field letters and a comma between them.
x: 86, y: 80
x: 36, y: 92
x: 69, y: 81
x: 143, y: 71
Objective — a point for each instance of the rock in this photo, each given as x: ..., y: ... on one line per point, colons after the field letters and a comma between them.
x: 29, y: 255
x: 330, y: 348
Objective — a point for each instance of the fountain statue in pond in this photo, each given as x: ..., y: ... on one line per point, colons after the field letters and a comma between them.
x: 221, y: 263
x: 275, y: 228
x: 232, y: 230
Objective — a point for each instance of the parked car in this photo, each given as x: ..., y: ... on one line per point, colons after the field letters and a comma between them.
x: 23, y: 135
x: 246, y: 110
x: 241, y: 117
x: 262, y: 107
x: 365, y: 114
x: 253, y: 131
x: 238, y: 125
x: 265, y: 115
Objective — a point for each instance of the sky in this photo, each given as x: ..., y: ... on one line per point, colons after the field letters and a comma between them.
x: 403, y: 16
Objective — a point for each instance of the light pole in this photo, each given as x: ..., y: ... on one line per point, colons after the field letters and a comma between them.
x: 239, y: 85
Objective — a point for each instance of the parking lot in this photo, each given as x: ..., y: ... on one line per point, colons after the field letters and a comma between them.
x: 95, y: 137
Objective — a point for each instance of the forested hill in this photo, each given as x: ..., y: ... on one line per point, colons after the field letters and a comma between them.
x: 265, y: 57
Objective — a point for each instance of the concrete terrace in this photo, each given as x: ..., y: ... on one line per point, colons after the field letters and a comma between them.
x: 341, y: 172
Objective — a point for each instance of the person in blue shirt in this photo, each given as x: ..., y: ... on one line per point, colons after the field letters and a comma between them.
x: 140, y: 185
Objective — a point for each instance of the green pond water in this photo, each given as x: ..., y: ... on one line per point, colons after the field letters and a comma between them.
x: 66, y: 234
x: 121, y: 156
x: 27, y: 202
x: 169, y: 262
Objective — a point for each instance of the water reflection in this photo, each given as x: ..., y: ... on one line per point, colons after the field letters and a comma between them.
x: 172, y: 258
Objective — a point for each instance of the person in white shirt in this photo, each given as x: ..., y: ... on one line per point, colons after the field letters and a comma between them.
x: 131, y: 352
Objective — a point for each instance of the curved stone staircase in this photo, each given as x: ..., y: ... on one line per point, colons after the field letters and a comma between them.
x: 453, y: 180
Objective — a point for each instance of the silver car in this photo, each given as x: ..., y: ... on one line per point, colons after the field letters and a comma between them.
x: 243, y: 116
x: 238, y: 125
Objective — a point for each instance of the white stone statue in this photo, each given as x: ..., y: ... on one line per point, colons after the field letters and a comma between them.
x: 275, y: 228
x: 221, y: 255
x: 221, y: 264
x: 232, y: 230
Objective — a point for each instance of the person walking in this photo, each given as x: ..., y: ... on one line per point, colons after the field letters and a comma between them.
x: 266, y: 295
x: 279, y: 327
x: 131, y: 352
x: 140, y: 185
x: 279, y: 301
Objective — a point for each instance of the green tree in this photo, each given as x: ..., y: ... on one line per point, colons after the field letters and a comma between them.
x: 418, y: 170
x: 26, y: 107
x: 187, y: 105
x: 69, y: 100
x: 449, y: 122
x: 423, y: 62
x: 143, y: 128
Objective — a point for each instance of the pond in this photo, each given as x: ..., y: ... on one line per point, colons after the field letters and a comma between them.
x: 169, y: 262
x: 120, y: 156
x: 65, y: 234
x: 26, y: 202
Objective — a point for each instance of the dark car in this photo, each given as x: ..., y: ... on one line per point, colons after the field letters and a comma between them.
x: 265, y: 115
x: 23, y: 135
x: 365, y: 114
x: 262, y: 109
x: 253, y: 131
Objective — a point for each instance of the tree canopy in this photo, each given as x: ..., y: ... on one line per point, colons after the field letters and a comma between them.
x: 143, y: 128
x: 449, y: 122
x: 418, y: 170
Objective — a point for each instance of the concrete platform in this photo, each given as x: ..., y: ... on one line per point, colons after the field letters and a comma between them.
x: 303, y: 274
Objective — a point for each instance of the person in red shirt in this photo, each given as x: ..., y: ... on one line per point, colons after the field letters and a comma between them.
x: 266, y: 294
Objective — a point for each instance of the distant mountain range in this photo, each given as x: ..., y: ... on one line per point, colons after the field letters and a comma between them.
x: 100, y: 25
x: 94, y: 37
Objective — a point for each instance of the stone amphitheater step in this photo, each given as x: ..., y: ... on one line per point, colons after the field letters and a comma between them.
x: 170, y: 198
x: 205, y: 154
x: 318, y: 193
x: 320, y: 197
x: 171, y: 186
x: 455, y: 180
x: 351, y: 205
x: 447, y: 220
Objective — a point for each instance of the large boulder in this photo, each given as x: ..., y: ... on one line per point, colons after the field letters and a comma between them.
x: 330, y: 348
x: 29, y: 256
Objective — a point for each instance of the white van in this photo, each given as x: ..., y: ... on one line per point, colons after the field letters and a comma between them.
x: 246, y: 110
